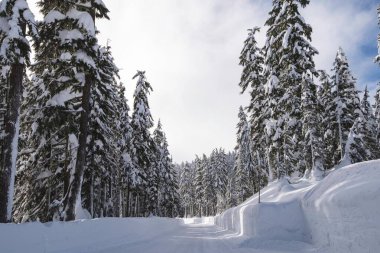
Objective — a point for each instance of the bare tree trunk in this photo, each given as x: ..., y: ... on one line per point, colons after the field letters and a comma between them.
x: 127, y: 205
x: 10, y: 145
x: 76, y: 186
x: 92, y: 194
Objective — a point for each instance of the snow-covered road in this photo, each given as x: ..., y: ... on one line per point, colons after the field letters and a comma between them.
x: 189, y: 238
x: 201, y: 238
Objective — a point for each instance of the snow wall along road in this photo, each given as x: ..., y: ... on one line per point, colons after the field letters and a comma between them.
x: 341, y: 213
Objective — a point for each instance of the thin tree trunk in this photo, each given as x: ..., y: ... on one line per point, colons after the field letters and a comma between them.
x: 10, y: 148
x: 92, y: 194
x: 76, y: 186
x: 127, y: 205
x: 121, y: 198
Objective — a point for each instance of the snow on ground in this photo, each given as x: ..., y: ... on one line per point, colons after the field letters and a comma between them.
x: 339, y: 214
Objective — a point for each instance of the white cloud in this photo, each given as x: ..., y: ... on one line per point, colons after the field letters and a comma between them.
x: 190, y: 50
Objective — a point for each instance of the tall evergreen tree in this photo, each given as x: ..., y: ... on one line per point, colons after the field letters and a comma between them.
x: 103, y: 152
x: 85, y: 57
x: 66, y: 71
x: 377, y: 113
x: 199, y: 186
x: 377, y: 97
x: 328, y: 119
x: 377, y: 59
x: 252, y: 60
x: 244, y: 161
x: 312, y: 136
x: 186, y: 189
x: 167, y: 201
x: 346, y: 100
x: 288, y: 57
x: 15, y: 18
x: 141, y: 123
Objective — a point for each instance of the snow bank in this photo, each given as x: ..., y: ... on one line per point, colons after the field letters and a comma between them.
x: 344, y: 209
x: 341, y: 213
x: 81, y: 236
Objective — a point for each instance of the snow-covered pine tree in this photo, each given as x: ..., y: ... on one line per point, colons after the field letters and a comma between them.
x: 220, y: 172
x: 377, y: 97
x: 142, y: 153
x: 244, y: 161
x: 252, y: 60
x: 369, y: 128
x: 127, y: 174
x: 186, y: 189
x: 377, y: 59
x: 15, y: 18
x: 377, y: 113
x: 167, y: 201
x: 346, y: 100
x: 103, y: 152
x: 311, y: 129
x: 209, y: 184
x: 231, y: 195
x: 199, y: 187
x: 84, y: 13
x: 65, y: 55
x: 288, y: 56
x: 328, y: 120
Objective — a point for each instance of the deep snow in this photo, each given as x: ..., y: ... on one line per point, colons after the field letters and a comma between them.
x: 339, y: 214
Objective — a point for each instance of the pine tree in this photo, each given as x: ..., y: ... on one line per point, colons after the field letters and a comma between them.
x: 377, y: 113
x: 377, y: 58
x: 141, y: 123
x: 167, y: 185
x: 312, y: 136
x: 220, y: 172
x: 377, y: 97
x: 252, y: 60
x: 231, y: 194
x: 66, y: 71
x: 128, y: 175
x: 187, y: 189
x: 288, y: 57
x: 15, y: 18
x: 199, y: 186
x: 346, y: 100
x: 244, y: 160
x: 328, y: 119
x: 369, y: 128
x: 86, y: 57
x: 103, y: 152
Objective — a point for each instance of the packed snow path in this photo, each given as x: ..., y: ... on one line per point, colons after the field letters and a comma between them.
x: 203, y: 237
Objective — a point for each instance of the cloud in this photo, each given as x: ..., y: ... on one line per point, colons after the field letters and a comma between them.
x: 190, y: 51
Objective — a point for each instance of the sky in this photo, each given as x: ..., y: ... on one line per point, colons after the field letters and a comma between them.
x: 190, y: 51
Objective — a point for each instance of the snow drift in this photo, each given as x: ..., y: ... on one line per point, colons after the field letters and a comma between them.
x: 341, y: 213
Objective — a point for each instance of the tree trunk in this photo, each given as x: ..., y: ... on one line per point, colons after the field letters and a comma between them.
x: 127, y: 205
x: 10, y: 145
x: 76, y: 186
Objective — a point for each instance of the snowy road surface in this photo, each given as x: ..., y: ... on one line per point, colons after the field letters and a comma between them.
x: 198, y: 238
x: 135, y: 235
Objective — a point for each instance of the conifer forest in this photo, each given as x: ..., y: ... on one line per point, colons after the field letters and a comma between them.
x: 74, y: 147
